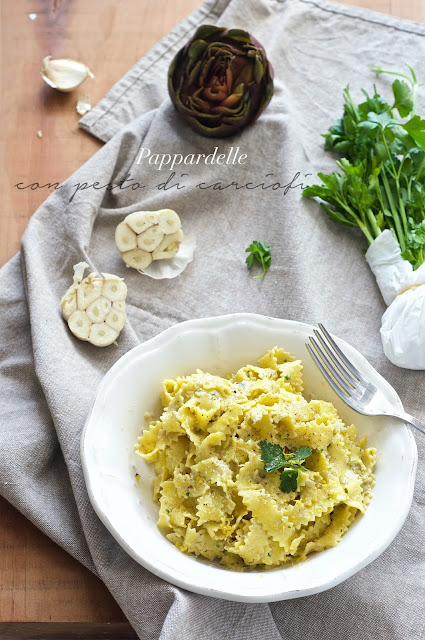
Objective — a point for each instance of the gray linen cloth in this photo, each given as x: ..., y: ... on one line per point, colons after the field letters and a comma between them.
x: 49, y: 378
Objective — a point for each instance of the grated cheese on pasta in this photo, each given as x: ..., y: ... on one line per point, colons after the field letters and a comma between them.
x: 217, y: 502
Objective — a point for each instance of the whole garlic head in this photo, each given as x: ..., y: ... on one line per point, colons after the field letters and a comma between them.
x: 144, y: 236
x: 64, y: 74
x: 94, y: 307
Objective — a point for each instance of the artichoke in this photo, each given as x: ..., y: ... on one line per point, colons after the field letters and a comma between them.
x: 220, y: 81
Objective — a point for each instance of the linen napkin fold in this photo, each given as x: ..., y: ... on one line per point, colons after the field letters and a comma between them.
x: 48, y: 378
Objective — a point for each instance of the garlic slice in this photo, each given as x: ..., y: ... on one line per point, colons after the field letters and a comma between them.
x: 64, y: 74
x: 150, y: 239
x: 95, y: 307
x: 169, y: 246
x: 144, y: 237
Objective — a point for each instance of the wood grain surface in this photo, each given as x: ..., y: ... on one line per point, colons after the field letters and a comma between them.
x: 42, y: 589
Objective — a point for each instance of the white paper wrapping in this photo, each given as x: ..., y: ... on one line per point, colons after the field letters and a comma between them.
x: 403, y: 323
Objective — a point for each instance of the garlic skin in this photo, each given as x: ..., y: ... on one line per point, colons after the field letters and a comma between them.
x: 64, y: 74
x: 94, y: 307
x: 144, y: 236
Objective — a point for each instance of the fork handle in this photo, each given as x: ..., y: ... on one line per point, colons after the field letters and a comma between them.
x: 411, y: 420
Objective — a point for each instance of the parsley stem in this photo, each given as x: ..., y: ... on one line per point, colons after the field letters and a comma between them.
x: 357, y: 220
x: 397, y: 184
x: 373, y: 223
x: 396, y: 217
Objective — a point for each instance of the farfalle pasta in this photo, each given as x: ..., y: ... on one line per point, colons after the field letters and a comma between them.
x: 217, y: 502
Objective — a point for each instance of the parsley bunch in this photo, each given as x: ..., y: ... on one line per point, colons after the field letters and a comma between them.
x: 259, y: 251
x: 289, y: 464
x: 381, y: 179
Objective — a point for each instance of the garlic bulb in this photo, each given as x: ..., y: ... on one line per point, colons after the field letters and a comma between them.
x: 144, y: 236
x: 94, y: 307
x: 64, y: 74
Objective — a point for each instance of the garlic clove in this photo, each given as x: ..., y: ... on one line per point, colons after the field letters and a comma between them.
x: 168, y: 247
x: 137, y: 258
x: 125, y: 238
x: 101, y: 335
x: 99, y: 309
x: 150, y: 239
x: 115, y: 319
x: 79, y: 324
x: 118, y: 305
x: 139, y: 221
x: 114, y: 289
x: 69, y: 303
x: 88, y: 291
x: 168, y: 220
x: 64, y: 74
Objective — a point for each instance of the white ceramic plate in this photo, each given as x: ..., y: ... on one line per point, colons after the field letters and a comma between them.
x: 221, y: 345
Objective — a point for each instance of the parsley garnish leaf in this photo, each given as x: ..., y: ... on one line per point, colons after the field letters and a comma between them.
x: 275, y: 459
x: 289, y: 480
x: 272, y: 455
x: 259, y: 251
x: 300, y: 454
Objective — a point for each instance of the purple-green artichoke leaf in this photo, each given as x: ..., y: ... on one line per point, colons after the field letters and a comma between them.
x: 220, y: 81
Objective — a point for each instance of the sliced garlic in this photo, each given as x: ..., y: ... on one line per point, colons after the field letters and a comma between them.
x: 64, y: 74
x: 125, y: 238
x: 157, y: 235
x: 101, y: 335
x: 95, y: 307
x: 69, y: 303
x: 88, y: 291
x: 169, y: 246
x: 119, y: 306
x: 137, y: 258
x: 114, y: 289
x: 79, y: 324
x: 150, y: 239
x: 168, y: 221
x: 99, y: 309
x: 115, y: 319
x: 139, y: 221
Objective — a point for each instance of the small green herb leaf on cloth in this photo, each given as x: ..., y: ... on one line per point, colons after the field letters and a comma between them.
x: 259, y: 251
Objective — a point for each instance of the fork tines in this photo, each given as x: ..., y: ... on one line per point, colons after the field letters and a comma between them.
x: 340, y: 373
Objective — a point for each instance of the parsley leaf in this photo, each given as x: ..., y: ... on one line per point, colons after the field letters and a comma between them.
x: 402, y: 98
x: 379, y: 182
x: 272, y: 455
x: 259, y: 251
x: 275, y: 458
x: 289, y: 480
x: 300, y: 454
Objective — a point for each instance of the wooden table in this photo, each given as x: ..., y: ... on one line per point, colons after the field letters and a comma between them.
x: 44, y: 593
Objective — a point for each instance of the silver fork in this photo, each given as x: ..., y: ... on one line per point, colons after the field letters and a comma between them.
x: 349, y: 384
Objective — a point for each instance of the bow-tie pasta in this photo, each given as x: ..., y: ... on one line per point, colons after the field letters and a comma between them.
x: 216, y: 498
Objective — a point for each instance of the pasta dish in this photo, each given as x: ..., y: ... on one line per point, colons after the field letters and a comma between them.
x: 248, y: 472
